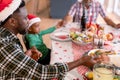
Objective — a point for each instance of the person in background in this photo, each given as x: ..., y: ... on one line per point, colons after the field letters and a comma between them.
x: 34, y: 38
x: 14, y: 63
x: 91, y: 10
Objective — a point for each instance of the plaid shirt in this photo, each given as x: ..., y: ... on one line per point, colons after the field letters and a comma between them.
x: 91, y: 13
x: 15, y: 65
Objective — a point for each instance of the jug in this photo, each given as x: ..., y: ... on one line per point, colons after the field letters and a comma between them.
x: 103, y: 71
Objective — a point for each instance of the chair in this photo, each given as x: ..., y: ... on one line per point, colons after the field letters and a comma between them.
x: 26, y: 42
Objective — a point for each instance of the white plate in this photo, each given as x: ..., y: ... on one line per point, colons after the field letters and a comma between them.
x: 60, y: 36
x: 94, y: 50
x: 80, y: 43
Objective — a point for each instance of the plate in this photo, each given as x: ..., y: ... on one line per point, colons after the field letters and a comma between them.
x: 80, y: 42
x: 81, y: 38
x: 92, y: 52
x: 100, y: 51
x: 60, y: 36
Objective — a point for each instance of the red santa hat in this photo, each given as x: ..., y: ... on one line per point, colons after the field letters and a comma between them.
x: 7, y: 7
x: 33, y: 19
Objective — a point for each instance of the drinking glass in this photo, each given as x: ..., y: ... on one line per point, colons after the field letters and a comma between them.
x: 103, y: 72
x: 98, y: 42
x: 73, y: 27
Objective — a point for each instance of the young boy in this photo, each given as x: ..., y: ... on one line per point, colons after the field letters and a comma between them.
x: 34, y: 38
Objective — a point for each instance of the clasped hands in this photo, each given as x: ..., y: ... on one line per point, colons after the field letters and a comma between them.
x: 33, y: 53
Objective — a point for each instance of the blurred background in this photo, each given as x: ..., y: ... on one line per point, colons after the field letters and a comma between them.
x: 58, y: 8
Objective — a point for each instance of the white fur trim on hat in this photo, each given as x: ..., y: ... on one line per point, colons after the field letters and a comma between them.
x: 9, y: 9
x: 34, y: 20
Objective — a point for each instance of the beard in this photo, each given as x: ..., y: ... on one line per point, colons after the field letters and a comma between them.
x: 23, y: 30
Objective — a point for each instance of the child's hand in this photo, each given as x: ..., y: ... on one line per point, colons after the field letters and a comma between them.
x: 33, y: 53
x: 59, y: 24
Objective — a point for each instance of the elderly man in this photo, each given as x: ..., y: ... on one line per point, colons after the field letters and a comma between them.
x: 14, y: 64
x: 90, y: 9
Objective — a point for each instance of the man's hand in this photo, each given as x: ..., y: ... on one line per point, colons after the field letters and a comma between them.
x: 33, y: 53
x: 118, y: 25
x: 103, y: 58
x: 97, y: 59
x: 79, y: 62
x: 89, y: 62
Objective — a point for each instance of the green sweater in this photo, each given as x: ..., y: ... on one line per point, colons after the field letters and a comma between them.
x: 37, y: 41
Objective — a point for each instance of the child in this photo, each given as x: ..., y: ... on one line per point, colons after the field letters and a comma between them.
x: 34, y: 38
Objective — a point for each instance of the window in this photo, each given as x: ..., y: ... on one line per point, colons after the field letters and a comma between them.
x: 117, y: 7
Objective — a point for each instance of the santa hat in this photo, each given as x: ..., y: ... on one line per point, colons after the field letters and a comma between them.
x: 33, y: 19
x: 7, y: 7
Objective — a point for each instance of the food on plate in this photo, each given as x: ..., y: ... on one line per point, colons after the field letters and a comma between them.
x: 95, y: 29
x: 81, y: 37
x: 92, y: 27
x: 89, y: 75
x: 101, y: 51
x: 89, y: 38
x: 97, y: 52
x: 109, y: 36
x: 73, y: 35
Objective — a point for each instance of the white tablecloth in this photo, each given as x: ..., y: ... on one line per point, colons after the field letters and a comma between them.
x: 68, y: 51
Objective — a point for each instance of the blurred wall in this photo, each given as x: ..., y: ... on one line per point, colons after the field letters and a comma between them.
x: 42, y: 7
x: 38, y: 7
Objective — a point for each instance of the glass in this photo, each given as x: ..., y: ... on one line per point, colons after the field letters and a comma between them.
x: 98, y: 42
x: 103, y: 72
x: 73, y: 27
x: 99, y: 38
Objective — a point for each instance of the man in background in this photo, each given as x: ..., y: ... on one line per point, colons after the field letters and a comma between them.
x: 90, y: 9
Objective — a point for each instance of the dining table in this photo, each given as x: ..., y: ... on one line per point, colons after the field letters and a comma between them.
x: 65, y: 50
